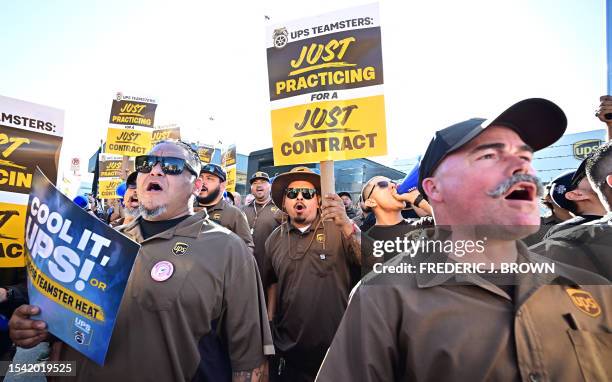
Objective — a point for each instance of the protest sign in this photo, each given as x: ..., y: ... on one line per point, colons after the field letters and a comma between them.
x: 131, y: 120
x: 78, y: 268
x: 326, y: 87
x: 205, y: 153
x: 228, y: 157
x: 231, y: 179
x: 126, y: 141
x: 110, y: 165
x: 109, y: 176
x: 162, y: 133
x: 228, y: 162
x: 133, y: 111
x: 30, y: 135
x: 107, y: 188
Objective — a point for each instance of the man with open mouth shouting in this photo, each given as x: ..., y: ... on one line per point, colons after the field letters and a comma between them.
x: 193, y: 308
x: 262, y: 214
x: 307, y: 267
x: 470, y: 302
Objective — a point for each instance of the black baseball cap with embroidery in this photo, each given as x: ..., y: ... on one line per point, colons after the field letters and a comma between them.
x: 580, y: 173
x: 559, y: 186
x: 259, y: 175
x: 539, y: 123
x: 215, y: 169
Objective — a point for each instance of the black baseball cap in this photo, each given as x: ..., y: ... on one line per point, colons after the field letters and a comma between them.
x: 131, y: 179
x: 215, y: 169
x: 344, y: 193
x: 539, y: 123
x: 259, y: 175
x: 580, y: 173
x: 559, y: 186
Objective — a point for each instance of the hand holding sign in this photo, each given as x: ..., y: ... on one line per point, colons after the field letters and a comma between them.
x: 604, y: 113
x: 78, y: 268
x: 24, y: 331
x: 332, y: 208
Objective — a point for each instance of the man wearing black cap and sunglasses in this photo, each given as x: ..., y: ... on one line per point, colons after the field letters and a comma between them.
x: 262, y: 214
x: 426, y: 324
x: 220, y: 210
x: 192, y: 281
x: 307, y: 265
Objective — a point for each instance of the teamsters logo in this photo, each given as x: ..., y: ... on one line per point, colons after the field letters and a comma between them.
x: 582, y: 149
x: 280, y: 37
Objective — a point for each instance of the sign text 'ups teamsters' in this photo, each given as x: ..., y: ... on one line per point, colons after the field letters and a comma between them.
x: 326, y: 87
x: 30, y: 136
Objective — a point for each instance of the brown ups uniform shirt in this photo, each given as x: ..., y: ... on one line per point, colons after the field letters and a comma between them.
x: 233, y: 219
x: 312, y: 272
x: 160, y: 323
x: 262, y: 219
x: 403, y: 327
x: 587, y: 246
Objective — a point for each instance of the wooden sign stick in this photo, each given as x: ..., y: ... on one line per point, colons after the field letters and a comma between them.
x: 328, y: 182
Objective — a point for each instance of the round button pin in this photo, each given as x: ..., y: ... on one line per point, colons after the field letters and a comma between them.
x: 162, y: 271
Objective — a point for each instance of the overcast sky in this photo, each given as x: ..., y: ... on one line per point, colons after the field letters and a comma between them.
x: 444, y: 62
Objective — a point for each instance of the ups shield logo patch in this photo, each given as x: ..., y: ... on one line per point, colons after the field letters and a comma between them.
x: 180, y: 249
x: 584, y: 301
x: 321, y: 238
x: 583, y: 148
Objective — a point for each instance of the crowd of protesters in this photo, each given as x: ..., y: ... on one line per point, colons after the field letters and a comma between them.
x: 265, y: 292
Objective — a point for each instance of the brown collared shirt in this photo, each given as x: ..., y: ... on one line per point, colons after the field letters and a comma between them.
x: 312, y: 272
x: 404, y: 327
x: 233, y: 219
x: 161, y: 323
x: 262, y: 219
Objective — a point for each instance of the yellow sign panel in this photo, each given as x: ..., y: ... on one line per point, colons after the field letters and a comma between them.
x: 231, y: 179
x: 128, y: 142
x: 107, y: 188
x: 329, y: 130
x: 64, y: 296
x: 12, y: 221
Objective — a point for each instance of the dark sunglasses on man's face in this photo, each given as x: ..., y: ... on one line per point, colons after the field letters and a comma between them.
x: 169, y: 165
x: 307, y: 193
x: 381, y: 184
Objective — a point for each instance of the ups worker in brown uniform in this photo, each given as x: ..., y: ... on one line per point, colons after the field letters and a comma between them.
x: 262, y: 214
x: 191, y: 277
x: 307, y: 261
x: 219, y: 210
x: 419, y: 327
x: 588, y: 245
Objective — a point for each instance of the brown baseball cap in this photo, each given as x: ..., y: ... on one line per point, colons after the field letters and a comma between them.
x: 282, y: 181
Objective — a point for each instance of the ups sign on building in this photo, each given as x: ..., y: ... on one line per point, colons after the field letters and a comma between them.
x: 582, y: 149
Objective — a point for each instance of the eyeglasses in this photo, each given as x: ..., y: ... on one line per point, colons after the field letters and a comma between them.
x: 169, y: 165
x: 381, y: 184
x: 307, y: 193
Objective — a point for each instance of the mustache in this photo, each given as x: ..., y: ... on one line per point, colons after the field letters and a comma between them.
x: 504, y: 186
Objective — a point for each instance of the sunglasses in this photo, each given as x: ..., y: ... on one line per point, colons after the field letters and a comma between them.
x: 169, y: 165
x: 307, y: 193
x: 381, y: 184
